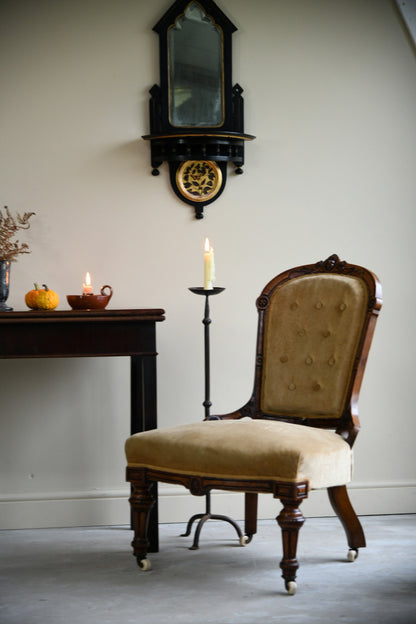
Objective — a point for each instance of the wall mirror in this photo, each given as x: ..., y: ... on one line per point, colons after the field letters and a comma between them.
x: 195, y: 70
x: 196, y: 115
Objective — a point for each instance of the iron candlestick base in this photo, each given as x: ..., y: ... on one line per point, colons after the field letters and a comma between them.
x: 203, y: 517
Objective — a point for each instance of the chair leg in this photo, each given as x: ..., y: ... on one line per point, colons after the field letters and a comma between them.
x: 141, y: 502
x: 290, y: 521
x: 341, y: 504
x: 250, y: 514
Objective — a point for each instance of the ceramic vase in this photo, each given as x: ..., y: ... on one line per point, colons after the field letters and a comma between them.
x: 4, y: 285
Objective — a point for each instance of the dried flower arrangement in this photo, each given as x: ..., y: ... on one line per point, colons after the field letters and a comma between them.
x: 9, y: 226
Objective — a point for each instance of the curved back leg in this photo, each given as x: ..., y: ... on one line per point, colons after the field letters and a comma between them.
x: 341, y: 504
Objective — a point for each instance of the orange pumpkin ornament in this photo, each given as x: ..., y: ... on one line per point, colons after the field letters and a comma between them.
x: 47, y: 299
x: 31, y: 298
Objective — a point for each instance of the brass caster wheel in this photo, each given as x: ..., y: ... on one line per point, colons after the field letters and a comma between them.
x: 244, y: 540
x: 291, y: 588
x: 145, y: 565
x: 352, y: 554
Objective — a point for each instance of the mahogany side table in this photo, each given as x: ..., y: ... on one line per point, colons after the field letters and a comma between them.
x: 94, y: 333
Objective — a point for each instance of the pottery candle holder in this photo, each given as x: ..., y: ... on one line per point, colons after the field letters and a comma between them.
x: 91, y: 302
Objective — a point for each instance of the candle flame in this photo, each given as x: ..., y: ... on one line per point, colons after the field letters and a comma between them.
x: 207, y: 246
x: 87, y: 279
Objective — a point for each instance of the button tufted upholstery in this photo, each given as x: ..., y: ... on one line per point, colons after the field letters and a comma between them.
x: 312, y: 331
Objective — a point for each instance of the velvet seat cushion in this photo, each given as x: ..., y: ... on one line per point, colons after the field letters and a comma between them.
x: 257, y: 449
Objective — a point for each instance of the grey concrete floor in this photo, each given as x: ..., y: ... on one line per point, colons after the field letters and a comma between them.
x: 88, y: 575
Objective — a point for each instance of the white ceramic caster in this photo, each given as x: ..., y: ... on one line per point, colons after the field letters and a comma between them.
x: 352, y: 554
x: 145, y: 565
x: 244, y: 540
x: 291, y: 588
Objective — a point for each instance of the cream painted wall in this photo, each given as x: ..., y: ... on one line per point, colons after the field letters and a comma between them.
x: 330, y: 93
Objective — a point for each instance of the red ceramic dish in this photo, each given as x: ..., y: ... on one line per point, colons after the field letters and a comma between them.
x: 90, y: 302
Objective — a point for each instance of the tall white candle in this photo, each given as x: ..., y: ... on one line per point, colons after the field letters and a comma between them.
x: 209, y: 266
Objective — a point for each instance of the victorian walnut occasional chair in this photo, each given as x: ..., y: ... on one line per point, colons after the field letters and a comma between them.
x: 296, y: 432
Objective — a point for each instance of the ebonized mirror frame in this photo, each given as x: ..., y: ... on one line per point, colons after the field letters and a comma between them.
x: 197, y: 153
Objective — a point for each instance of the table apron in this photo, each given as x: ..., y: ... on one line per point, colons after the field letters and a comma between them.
x: 77, y: 340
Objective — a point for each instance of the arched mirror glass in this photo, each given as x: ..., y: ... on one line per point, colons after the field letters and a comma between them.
x: 196, y: 84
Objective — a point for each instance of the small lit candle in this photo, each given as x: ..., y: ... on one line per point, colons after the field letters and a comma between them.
x: 209, y: 266
x: 86, y: 287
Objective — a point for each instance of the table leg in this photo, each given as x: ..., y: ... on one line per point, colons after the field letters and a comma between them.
x: 144, y: 418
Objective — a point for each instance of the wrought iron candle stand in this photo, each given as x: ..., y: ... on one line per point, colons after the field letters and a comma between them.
x: 203, y: 517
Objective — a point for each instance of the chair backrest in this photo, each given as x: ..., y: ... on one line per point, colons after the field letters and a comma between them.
x: 315, y: 328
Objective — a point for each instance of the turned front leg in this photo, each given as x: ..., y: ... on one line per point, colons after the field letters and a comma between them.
x: 141, y: 502
x: 290, y: 521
